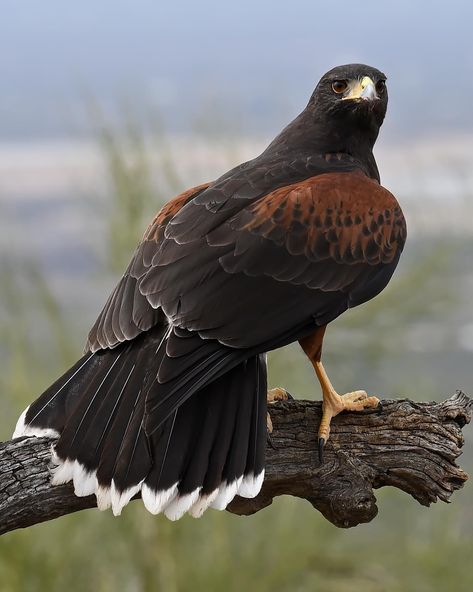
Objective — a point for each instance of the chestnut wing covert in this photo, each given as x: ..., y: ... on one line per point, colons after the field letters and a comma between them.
x: 254, y: 268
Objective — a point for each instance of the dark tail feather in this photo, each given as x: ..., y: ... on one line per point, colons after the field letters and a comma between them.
x: 209, y: 449
x: 48, y: 414
x: 254, y: 468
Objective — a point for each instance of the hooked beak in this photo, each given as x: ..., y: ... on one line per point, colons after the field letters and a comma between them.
x: 361, y: 89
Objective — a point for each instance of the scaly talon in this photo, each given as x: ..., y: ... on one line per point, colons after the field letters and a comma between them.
x: 278, y: 394
x: 333, y: 404
x: 275, y: 394
x: 321, y: 450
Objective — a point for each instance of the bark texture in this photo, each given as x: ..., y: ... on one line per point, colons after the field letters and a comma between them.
x: 409, y: 445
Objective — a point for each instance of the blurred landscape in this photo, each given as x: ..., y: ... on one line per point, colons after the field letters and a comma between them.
x: 96, y: 137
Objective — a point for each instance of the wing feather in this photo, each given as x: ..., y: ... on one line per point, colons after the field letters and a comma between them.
x: 127, y: 312
x: 303, y: 247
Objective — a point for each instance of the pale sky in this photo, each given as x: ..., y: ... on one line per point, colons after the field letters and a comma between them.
x: 255, y: 62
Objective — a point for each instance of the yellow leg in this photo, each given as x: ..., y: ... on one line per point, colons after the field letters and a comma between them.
x: 333, y: 403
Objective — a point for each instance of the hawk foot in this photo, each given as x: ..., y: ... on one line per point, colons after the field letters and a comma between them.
x: 278, y: 394
x: 333, y: 404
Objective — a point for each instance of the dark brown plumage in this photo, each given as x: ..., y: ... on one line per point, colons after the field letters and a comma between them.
x: 171, y: 399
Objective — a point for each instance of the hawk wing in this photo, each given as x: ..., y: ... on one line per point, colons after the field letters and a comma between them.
x: 127, y: 313
x: 249, y: 269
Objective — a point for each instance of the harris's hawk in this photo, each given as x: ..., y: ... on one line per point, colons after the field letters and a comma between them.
x: 170, y: 397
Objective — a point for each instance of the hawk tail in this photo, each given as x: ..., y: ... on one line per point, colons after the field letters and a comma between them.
x: 208, y: 448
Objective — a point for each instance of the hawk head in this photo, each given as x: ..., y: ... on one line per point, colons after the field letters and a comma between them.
x: 349, y: 97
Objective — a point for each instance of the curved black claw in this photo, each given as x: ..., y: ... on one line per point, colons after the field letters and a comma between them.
x: 380, y: 408
x: 321, y: 449
x: 289, y: 396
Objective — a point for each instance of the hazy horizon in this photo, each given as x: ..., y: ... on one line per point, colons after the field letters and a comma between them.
x: 252, y: 65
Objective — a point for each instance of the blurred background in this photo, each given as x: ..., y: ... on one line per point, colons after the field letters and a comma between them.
x: 107, y: 110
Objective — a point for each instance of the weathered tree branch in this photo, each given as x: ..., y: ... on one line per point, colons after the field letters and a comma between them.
x: 412, y: 446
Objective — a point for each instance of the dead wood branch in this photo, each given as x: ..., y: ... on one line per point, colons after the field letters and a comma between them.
x: 409, y: 445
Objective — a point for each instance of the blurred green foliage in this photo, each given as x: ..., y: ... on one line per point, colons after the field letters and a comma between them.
x: 287, y: 547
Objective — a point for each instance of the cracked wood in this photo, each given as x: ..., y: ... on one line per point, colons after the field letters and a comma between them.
x: 409, y: 445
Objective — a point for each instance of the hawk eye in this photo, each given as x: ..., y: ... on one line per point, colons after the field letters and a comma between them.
x: 339, y: 86
x: 380, y: 86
